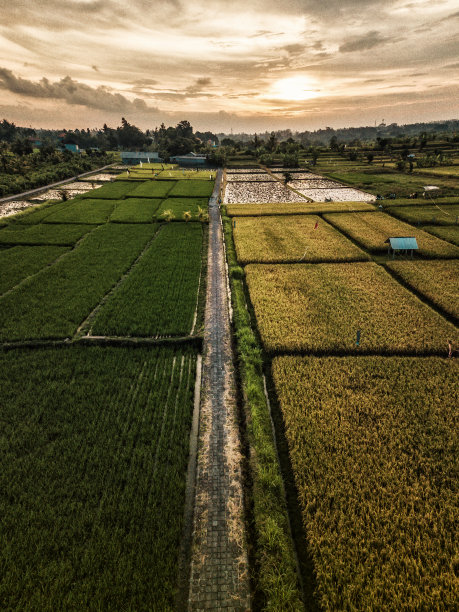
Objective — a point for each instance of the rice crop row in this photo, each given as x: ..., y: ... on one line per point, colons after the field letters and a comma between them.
x: 371, y: 230
x: 151, y: 189
x: 112, y: 191
x: 321, y: 307
x: 187, y: 174
x: 135, y: 210
x: 295, y: 208
x: 373, y: 447
x: 291, y: 239
x: 86, y: 210
x: 94, y: 447
x: 450, y: 233
x: 159, y: 296
x: 56, y: 300
x: 37, y: 214
x: 178, y: 206
x: 436, y: 280
x: 192, y: 189
x: 39, y: 234
x: 432, y: 215
x: 19, y: 262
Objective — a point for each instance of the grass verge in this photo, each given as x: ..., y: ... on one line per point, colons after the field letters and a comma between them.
x: 275, y: 579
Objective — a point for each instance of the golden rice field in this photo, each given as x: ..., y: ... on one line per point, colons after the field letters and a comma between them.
x: 436, y: 280
x: 320, y: 307
x: 291, y: 239
x: 295, y: 208
x: 373, y: 447
x: 371, y: 230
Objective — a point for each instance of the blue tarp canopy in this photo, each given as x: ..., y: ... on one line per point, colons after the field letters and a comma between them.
x: 404, y: 243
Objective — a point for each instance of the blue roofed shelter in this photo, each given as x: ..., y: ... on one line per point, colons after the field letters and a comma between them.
x: 402, y: 244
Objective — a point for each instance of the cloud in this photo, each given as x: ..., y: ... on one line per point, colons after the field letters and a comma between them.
x: 450, y: 66
x: 370, y: 40
x: 195, y: 90
x: 294, y: 49
x: 72, y: 92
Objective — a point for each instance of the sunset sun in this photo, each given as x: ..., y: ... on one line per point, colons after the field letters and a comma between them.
x: 295, y: 88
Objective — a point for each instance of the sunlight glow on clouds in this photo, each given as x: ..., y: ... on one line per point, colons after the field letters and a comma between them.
x: 252, y: 63
x: 294, y: 88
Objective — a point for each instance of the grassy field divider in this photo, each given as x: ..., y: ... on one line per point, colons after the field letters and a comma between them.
x: 276, y: 581
x: 198, y: 321
x: 86, y: 324
x: 121, y: 341
x: 410, y: 286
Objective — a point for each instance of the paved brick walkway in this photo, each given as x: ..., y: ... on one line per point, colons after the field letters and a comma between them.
x: 219, y: 569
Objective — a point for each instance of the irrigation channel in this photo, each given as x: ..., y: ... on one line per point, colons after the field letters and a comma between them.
x: 218, y: 572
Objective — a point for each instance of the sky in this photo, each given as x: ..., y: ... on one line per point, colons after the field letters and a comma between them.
x: 251, y: 65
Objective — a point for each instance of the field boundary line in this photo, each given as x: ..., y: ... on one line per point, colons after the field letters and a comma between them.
x: 190, y: 488
x: 424, y: 298
x: 201, y: 293
x: 121, y: 341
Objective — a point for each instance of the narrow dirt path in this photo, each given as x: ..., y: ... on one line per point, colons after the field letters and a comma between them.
x: 219, y: 577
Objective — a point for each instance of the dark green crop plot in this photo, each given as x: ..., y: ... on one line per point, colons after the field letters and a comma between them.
x: 419, y: 202
x: 192, y: 189
x: 135, y: 210
x: 180, y: 205
x: 39, y: 214
x: 112, y: 191
x: 54, y: 302
x: 432, y: 215
x: 94, y: 447
x: 65, y: 235
x: 159, y: 296
x: 82, y: 211
x: 20, y: 262
x: 450, y: 233
x: 151, y: 189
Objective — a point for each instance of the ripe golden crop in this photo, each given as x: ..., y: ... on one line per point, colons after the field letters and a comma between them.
x: 373, y: 446
x: 437, y: 280
x: 320, y: 307
x: 371, y: 230
x: 291, y: 238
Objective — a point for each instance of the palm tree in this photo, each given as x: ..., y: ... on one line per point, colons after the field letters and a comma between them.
x: 202, y: 215
x: 187, y: 215
x: 168, y: 215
